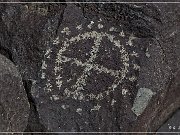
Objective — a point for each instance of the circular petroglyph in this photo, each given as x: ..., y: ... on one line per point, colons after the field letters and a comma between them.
x: 87, y: 65
x: 119, y: 75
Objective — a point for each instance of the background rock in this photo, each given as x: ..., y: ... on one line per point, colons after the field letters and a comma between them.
x: 172, y: 124
x: 25, y: 31
x: 14, y: 106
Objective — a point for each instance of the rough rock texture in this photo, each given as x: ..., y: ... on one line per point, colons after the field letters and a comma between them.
x: 83, y: 64
x: 83, y: 87
x: 172, y: 124
x: 25, y: 31
x: 14, y: 106
x: 83, y: 73
x: 167, y: 100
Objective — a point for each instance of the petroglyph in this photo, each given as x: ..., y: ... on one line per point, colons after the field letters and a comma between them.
x: 88, y: 69
x: 76, y: 85
x: 81, y: 81
x: 79, y: 27
x: 79, y: 110
x: 124, y: 91
x: 66, y: 31
x: 96, y: 108
x: 113, y: 102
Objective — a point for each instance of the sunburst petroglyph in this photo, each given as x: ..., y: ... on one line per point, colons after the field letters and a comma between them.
x: 79, y: 90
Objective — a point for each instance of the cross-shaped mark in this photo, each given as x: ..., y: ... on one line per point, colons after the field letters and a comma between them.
x: 89, y: 65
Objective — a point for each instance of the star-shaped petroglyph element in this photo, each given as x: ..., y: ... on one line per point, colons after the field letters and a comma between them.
x: 96, y: 108
x: 79, y: 27
x: 100, y: 26
x: 56, y: 41
x: 90, y: 25
x: 66, y: 31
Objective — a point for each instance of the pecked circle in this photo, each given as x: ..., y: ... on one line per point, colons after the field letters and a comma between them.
x: 119, y: 75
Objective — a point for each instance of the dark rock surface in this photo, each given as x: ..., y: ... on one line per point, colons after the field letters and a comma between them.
x: 78, y: 90
x: 167, y: 100
x: 172, y: 124
x: 25, y: 32
x: 14, y: 106
x: 95, y: 67
x: 83, y: 73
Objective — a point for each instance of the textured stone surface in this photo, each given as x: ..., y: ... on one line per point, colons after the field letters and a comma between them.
x: 14, y: 106
x: 167, y: 100
x: 83, y: 73
x: 172, y: 124
x: 25, y: 30
x: 89, y: 74
x: 82, y: 65
x: 83, y: 76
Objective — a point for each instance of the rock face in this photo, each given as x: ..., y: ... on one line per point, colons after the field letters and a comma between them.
x: 25, y: 30
x: 14, y: 106
x: 172, y: 125
x: 94, y: 67
x: 83, y: 73
x: 90, y: 74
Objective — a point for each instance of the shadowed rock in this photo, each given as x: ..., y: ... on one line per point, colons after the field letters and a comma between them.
x: 14, y: 106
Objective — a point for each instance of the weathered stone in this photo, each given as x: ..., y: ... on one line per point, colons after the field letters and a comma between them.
x: 100, y: 77
x: 89, y: 75
x: 167, y: 100
x: 25, y: 30
x: 160, y: 63
x: 142, y: 19
x: 172, y: 124
x: 14, y: 107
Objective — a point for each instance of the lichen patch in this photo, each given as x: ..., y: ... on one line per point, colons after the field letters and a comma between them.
x: 141, y: 101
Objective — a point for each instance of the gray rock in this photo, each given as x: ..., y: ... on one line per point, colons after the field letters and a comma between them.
x: 14, y: 106
x: 33, y: 35
x: 167, y: 67
x: 88, y: 75
x: 25, y: 30
x: 172, y: 124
